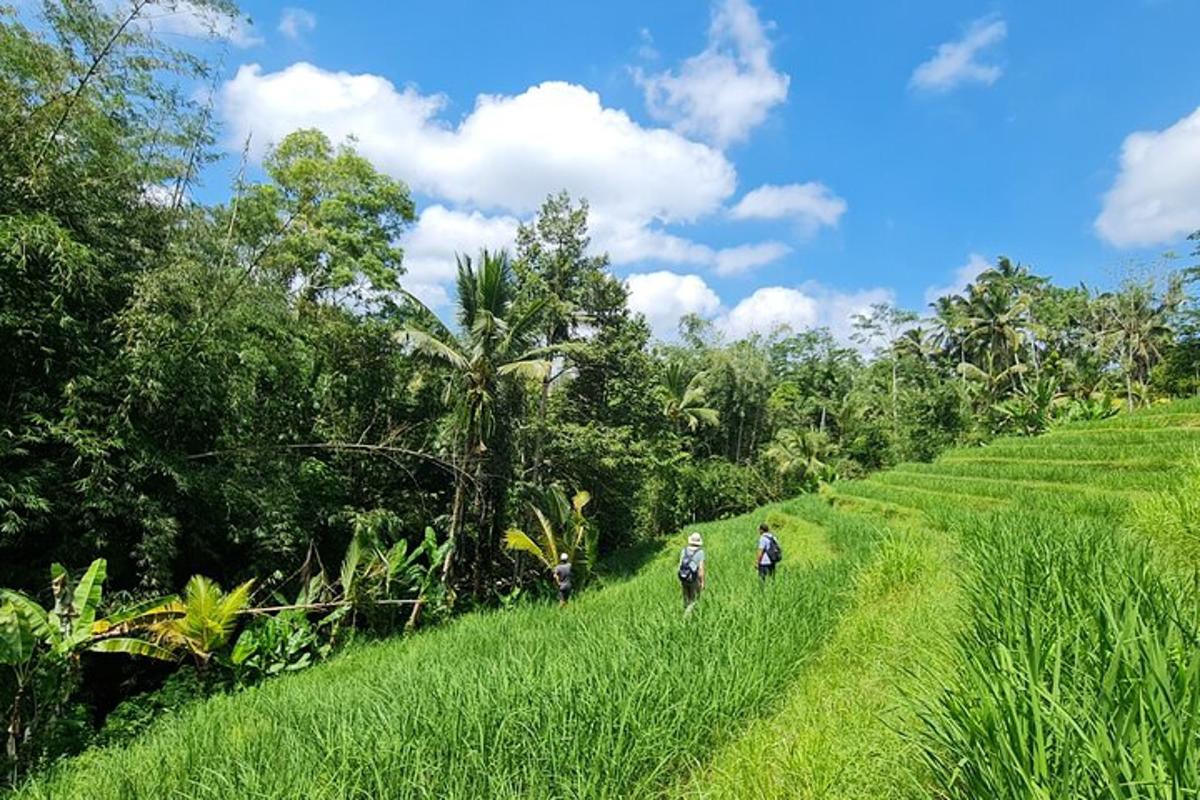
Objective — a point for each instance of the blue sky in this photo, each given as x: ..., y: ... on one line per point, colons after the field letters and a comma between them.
x: 755, y: 161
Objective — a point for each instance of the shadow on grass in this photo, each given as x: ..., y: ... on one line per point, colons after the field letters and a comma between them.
x: 625, y: 564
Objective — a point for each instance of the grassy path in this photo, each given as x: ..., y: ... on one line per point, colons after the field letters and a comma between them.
x: 835, y: 733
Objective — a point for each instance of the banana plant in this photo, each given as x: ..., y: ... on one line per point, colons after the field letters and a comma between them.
x: 371, y: 571
x: 34, y: 640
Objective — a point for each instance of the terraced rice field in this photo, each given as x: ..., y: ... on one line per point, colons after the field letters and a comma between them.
x: 996, y: 624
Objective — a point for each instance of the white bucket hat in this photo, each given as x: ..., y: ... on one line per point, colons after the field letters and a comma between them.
x: 695, y: 540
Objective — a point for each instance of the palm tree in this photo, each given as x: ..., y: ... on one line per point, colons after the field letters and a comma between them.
x: 562, y: 528
x: 995, y: 332
x: 1135, y: 326
x: 205, y: 617
x: 683, y: 401
x: 801, y: 454
x: 491, y: 348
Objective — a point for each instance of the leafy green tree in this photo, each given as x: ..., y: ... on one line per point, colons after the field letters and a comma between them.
x: 325, y: 224
x: 1137, y: 328
x: 556, y: 272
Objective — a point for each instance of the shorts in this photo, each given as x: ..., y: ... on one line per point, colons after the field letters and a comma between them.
x: 766, y: 570
x: 564, y: 594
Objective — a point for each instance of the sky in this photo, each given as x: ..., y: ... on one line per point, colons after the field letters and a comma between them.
x: 758, y: 162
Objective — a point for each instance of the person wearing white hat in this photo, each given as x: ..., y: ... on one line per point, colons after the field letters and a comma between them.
x: 692, y: 572
x: 562, y: 578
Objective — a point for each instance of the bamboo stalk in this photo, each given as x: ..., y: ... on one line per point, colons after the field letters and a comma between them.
x: 323, y: 606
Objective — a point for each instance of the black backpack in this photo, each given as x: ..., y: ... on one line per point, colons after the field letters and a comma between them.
x: 774, y: 551
x: 687, y: 570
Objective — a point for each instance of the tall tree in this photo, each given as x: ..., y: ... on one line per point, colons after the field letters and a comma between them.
x: 491, y: 349
x: 556, y: 272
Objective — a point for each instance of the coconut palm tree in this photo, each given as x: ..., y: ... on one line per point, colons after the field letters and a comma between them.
x: 491, y: 347
x: 995, y: 334
x: 562, y: 528
x: 1136, y: 324
x: 801, y: 454
x: 204, y: 618
x: 683, y: 399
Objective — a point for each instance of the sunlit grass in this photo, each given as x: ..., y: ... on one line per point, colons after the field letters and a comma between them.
x: 837, y: 733
x: 605, y: 699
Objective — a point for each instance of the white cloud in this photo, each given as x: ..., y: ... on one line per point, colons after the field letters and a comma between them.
x: 743, y: 258
x: 1156, y: 197
x: 632, y: 241
x: 964, y: 275
x: 294, y: 23
x: 811, y: 204
x: 957, y: 62
x: 182, y: 18
x: 441, y: 233
x: 664, y: 297
x: 769, y: 308
x: 507, y: 153
x: 807, y: 306
x: 726, y: 91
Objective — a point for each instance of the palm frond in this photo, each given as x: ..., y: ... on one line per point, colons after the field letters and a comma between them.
x: 535, y: 369
x: 428, y: 345
x: 519, y: 540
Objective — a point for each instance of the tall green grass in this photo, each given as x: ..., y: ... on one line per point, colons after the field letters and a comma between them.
x: 1101, y: 474
x: 1079, y: 667
x: 1169, y: 521
x: 607, y: 698
x: 836, y: 734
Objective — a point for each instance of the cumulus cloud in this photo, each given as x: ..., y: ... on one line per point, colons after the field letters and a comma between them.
x: 808, y: 306
x: 294, y: 23
x: 812, y: 205
x: 182, y: 18
x: 724, y: 92
x: 964, y: 275
x: 507, y: 153
x: 743, y: 258
x: 440, y: 234
x: 1156, y: 196
x: 664, y: 297
x: 958, y: 62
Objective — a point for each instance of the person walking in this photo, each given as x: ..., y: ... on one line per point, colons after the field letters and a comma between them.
x: 562, y: 578
x: 692, y: 572
x: 769, y: 553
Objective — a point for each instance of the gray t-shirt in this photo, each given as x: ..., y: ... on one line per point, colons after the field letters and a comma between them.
x: 764, y: 544
x: 563, y: 573
x: 695, y: 555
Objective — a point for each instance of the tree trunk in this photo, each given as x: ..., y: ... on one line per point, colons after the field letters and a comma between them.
x: 540, y: 435
x: 457, y: 512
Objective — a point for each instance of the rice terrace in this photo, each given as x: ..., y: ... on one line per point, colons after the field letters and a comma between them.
x: 580, y: 443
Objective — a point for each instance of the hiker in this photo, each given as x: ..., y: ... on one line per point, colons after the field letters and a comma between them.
x: 562, y: 578
x: 769, y: 553
x: 691, y: 570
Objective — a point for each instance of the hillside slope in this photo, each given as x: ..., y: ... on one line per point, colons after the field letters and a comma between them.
x: 858, y: 673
